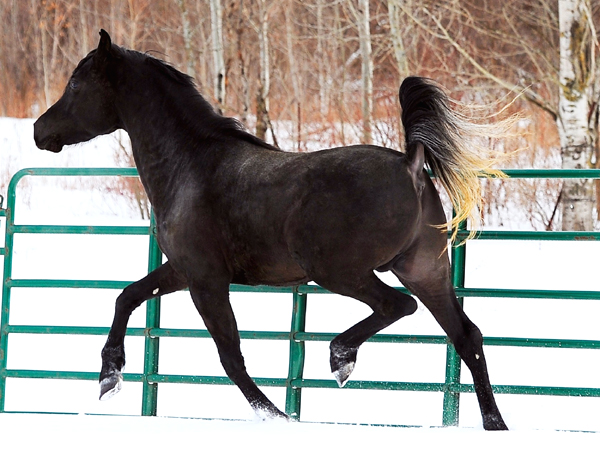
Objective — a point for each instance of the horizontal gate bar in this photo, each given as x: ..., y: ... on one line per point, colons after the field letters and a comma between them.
x: 305, y: 337
x: 458, y: 388
x: 150, y: 332
x: 136, y: 377
x: 552, y: 173
x: 75, y: 172
x: 528, y: 293
x: 584, y: 236
x: 64, y: 375
x: 64, y: 284
x: 80, y: 229
x: 309, y: 383
x: 210, y: 379
x: 314, y: 289
x: 534, y: 390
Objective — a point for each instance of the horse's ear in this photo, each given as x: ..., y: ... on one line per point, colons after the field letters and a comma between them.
x: 104, y: 47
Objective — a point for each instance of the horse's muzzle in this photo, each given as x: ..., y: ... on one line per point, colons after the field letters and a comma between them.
x: 44, y: 141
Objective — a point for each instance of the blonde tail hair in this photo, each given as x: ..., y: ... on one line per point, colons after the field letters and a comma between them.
x: 450, y: 150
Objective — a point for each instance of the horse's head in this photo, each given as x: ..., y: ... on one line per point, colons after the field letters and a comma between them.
x: 86, y: 109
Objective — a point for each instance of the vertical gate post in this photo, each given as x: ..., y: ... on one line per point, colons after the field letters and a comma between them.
x: 453, y: 361
x: 5, y: 306
x: 151, y: 346
x: 297, y: 352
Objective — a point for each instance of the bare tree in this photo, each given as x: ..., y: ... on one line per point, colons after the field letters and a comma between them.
x: 394, y: 9
x: 218, y: 51
x: 363, y: 23
x: 264, y: 83
x: 578, y: 108
x: 187, y: 38
x: 289, y: 33
x: 240, y: 27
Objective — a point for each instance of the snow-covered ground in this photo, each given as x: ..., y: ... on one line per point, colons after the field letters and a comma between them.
x: 98, y: 433
x: 530, y: 265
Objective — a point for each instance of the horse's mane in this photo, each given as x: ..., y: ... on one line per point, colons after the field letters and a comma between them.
x: 214, y: 125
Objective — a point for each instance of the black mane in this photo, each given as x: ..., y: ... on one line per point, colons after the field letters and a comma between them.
x: 215, y: 126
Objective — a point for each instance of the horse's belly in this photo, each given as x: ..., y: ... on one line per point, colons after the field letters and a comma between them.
x: 270, y: 270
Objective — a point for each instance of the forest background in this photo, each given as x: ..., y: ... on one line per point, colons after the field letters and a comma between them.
x: 320, y: 73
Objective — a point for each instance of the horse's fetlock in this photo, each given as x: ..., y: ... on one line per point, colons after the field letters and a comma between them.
x: 113, y: 356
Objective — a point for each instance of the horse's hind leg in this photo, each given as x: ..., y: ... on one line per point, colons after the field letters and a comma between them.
x: 388, y: 306
x: 427, y: 275
x: 212, y: 301
x: 161, y: 281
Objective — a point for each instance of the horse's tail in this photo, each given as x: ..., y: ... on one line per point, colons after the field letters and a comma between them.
x: 452, y: 156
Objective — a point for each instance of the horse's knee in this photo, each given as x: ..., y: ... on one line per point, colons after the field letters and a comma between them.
x: 128, y: 300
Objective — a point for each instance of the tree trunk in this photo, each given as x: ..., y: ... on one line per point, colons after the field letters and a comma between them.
x: 320, y: 58
x: 577, y: 135
x: 45, y: 64
x: 187, y: 38
x: 364, y: 36
x: 262, y: 103
x: 394, y: 8
x: 241, y: 25
x: 85, y: 45
x: 216, y: 20
x: 297, y: 130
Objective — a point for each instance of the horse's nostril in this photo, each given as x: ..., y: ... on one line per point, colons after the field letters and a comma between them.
x: 39, y: 134
x: 44, y: 140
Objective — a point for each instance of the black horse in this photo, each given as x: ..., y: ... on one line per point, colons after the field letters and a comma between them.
x: 231, y: 208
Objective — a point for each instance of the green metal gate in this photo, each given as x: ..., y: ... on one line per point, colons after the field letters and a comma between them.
x: 296, y: 335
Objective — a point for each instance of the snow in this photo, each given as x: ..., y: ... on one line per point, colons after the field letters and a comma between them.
x: 532, y: 419
x: 101, y: 432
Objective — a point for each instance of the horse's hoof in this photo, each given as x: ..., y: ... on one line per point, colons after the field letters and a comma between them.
x: 343, y: 373
x: 110, y: 385
x: 342, y: 361
x: 271, y: 414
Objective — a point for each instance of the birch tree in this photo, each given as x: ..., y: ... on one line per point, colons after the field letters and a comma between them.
x: 187, y: 38
x: 321, y: 57
x: 394, y: 9
x: 262, y: 98
x: 245, y: 90
x: 578, y: 112
x: 289, y: 33
x: 216, y: 20
x: 363, y: 21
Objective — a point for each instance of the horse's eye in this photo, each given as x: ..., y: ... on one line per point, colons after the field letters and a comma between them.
x: 73, y: 84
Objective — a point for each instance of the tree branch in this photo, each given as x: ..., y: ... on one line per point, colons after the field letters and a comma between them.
x: 445, y: 35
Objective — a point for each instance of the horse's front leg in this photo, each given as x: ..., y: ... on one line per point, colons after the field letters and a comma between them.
x: 161, y: 281
x: 212, y: 301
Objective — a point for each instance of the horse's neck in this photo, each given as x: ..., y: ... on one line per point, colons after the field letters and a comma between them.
x: 161, y: 147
